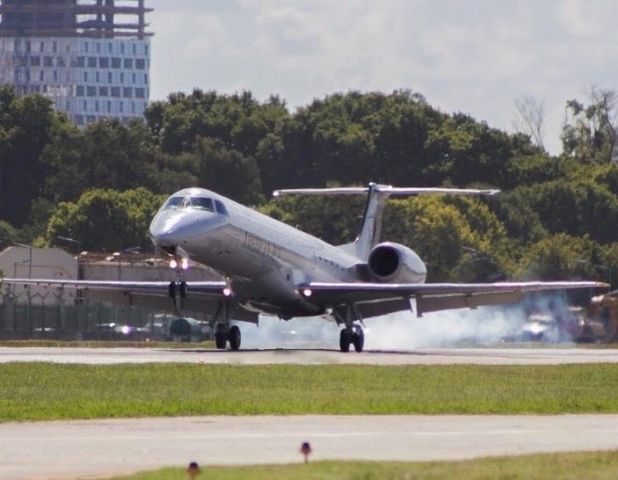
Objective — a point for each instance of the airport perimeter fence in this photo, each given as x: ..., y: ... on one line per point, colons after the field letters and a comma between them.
x: 53, y: 317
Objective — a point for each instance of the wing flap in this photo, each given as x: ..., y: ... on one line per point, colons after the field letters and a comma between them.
x: 383, y: 307
x: 433, y: 304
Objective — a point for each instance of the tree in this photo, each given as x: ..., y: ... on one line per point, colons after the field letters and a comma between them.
x: 560, y: 257
x: 589, y: 134
x: 577, y: 207
x: 228, y: 172
x: 106, y: 220
x: 26, y: 127
x: 106, y: 154
x: 530, y: 119
x: 536, y: 168
x: 335, y: 220
x: 454, y: 245
x: 8, y: 234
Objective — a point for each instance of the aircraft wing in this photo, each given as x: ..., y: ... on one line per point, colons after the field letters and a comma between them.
x: 372, y: 299
x: 200, y: 296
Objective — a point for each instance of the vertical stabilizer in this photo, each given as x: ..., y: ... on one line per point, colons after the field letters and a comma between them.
x: 371, y: 228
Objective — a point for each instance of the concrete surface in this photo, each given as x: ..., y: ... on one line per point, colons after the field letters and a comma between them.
x: 62, y: 450
x: 479, y: 356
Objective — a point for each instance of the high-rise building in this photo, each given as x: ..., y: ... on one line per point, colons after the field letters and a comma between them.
x: 90, y: 57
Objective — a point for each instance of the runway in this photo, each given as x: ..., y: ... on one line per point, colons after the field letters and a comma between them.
x: 64, y: 450
x: 107, y: 447
x: 444, y: 356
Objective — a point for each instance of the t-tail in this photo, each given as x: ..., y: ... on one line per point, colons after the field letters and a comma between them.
x: 377, y: 195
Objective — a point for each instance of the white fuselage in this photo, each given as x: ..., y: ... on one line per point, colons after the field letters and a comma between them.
x: 265, y: 259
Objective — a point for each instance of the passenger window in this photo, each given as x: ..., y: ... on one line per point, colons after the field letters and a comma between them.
x: 220, y: 207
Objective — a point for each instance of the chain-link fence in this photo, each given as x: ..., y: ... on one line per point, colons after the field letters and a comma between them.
x: 51, y: 316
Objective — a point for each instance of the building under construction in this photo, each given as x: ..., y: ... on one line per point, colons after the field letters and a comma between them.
x: 90, y: 57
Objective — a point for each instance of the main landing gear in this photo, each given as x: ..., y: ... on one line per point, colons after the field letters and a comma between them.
x: 224, y: 335
x: 352, y: 333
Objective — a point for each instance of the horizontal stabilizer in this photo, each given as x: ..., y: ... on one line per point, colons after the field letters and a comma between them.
x: 385, y: 190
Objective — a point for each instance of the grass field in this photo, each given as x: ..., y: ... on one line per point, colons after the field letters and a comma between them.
x: 39, y: 391
x: 595, y: 465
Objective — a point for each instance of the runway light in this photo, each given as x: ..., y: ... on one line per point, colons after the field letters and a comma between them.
x: 305, y: 449
x: 307, y: 292
x: 173, y: 264
x: 193, y: 470
x: 184, y: 264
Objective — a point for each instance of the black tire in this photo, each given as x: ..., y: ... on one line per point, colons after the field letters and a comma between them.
x: 344, y: 340
x: 234, y: 338
x: 358, y: 339
x: 220, y: 340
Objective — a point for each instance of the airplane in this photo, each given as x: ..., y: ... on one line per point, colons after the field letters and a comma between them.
x: 273, y: 268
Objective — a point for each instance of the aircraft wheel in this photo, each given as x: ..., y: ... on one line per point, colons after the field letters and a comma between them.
x: 234, y: 338
x: 220, y: 340
x: 345, y: 340
x: 358, y: 339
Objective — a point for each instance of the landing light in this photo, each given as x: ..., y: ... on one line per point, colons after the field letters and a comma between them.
x: 307, y: 292
x: 227, y: 291
x: 173, y: 264
x: 184, y: 264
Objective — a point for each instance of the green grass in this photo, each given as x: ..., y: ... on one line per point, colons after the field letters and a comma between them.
x: 39, y: 391
x: 594, y: 465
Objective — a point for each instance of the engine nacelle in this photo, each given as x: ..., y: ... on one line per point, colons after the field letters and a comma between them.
x: 396, y: 263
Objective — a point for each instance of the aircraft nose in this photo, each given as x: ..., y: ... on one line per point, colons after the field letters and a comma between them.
x: 179, y: 229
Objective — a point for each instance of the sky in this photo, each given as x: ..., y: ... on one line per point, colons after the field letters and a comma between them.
x: 474, y: 56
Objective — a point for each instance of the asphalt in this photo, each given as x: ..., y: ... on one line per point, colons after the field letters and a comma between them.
x: 444, y: 356
x: 107, y: 447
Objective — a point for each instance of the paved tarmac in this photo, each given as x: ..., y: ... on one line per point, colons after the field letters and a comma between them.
x: 478, y: 356
x: 61, y: 450
x: 64, y: 450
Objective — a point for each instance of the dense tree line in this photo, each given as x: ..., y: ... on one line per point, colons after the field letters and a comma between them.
x: 556, y: 217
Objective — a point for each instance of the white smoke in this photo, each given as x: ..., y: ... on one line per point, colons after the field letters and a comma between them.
x: 481, y: 327
x: 310, y: 332
x: 403, y: 330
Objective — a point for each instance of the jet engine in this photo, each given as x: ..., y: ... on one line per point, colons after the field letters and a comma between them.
x: 395, y: 263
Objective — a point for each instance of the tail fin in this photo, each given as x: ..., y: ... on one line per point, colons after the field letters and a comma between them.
x: 377, y: 195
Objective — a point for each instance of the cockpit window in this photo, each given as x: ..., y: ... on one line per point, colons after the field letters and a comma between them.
x: 201, y: 203
x: 174, y: 203
x: 220, y: 207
